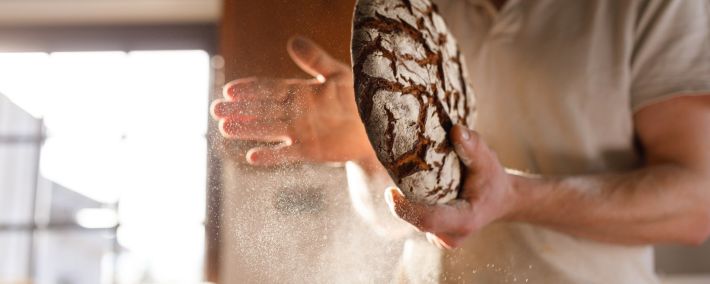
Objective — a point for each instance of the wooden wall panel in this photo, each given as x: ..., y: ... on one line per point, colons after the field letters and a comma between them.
x: 253, y: 34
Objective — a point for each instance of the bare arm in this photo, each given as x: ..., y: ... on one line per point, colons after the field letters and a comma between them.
x: 665, y: 201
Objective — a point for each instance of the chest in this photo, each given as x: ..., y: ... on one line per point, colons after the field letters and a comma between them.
x: 552, y: 80
x: 570, y: 48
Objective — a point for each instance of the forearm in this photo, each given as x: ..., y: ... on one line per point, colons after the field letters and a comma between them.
x: 664, y: 203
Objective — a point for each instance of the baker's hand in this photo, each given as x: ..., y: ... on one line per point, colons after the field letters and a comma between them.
x: 316, y: 120
x: 487, y: 196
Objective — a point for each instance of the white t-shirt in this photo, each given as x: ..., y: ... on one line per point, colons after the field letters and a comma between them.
x: 557, y: 84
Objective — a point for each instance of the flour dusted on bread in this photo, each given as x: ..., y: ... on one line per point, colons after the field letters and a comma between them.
x: 410, y: 87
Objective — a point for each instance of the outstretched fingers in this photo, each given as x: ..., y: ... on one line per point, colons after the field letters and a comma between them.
x: 252, y: 129
x: 272, y: 156
x: 252, y: 110
x: 243, y: 87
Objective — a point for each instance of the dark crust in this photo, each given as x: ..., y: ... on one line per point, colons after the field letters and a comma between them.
x: 367, y: 86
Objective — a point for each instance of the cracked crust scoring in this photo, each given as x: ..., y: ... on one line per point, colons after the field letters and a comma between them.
x: 411, y: 89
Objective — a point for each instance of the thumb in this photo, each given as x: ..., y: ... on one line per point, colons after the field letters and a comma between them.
x: 469, y: 147
x: 313, y: 59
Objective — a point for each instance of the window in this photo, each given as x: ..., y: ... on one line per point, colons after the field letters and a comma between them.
x: 103, y: 166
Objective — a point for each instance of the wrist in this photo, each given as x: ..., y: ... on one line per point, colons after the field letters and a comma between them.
x: 524, y: 196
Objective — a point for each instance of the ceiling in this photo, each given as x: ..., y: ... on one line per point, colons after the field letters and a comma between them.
x: 107, y: 12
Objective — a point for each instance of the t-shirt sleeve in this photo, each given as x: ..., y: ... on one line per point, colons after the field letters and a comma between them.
x: 671, y: 51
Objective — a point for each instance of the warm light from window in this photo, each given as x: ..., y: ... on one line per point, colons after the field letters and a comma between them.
x: 96, y: 218
x: 126, y: 127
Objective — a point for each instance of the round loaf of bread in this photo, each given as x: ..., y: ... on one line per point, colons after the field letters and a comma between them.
x: 410, y: 87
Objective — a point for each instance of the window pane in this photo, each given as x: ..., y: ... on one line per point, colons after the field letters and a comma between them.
x: 15, y: 121
x: 125, y: 146
x: 17, y: 180
x: 14, y: 254
x: 21, y: 79
x: 173, y: 254
x: 77, y: 257
x: 169, y: 90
